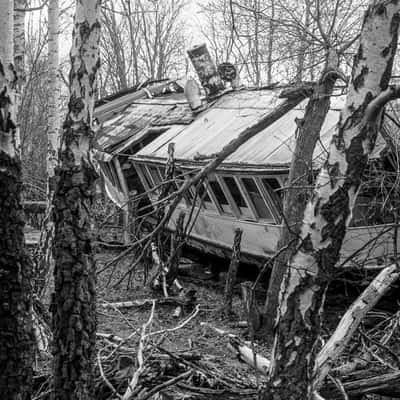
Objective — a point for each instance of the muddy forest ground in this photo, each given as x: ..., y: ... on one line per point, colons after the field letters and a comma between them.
x: 192, y: 337
x: 197, y: 337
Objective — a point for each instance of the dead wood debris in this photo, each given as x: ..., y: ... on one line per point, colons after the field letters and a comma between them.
x: 370, y: 365
x: 139, y: 367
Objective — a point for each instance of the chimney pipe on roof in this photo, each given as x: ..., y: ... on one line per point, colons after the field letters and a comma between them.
x: 193, y: 95
x: 206, y: 69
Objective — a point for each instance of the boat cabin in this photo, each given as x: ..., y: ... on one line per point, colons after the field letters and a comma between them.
x: 248, y: 188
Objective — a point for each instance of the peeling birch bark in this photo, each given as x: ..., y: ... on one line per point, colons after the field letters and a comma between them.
x: 16, y: 325
x: 19, y: 41
x: 53, y: 133
x: 74, y: 301
x: 19, y: 60
x: 328, y: 213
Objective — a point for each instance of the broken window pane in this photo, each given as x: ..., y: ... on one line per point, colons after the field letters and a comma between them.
x: 155, y: 175
x: 145, y: 175
x: 238, y: 198
x: 273, y: 187
x: 257, y: 199
x: 235, y: 191
x: 220, y: 197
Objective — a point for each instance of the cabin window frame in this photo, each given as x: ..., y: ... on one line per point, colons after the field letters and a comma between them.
x: 214, y: 207
x: 153, y: 167
x: 276, y: 211
x: 263, y: 197
x: 220, y: 207
x: 139, y: 170
x: 238, y: 213
x: 161, y: 171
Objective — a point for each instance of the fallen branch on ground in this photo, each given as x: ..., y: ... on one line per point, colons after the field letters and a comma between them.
x: 351, y: 320
x: 140, y: 357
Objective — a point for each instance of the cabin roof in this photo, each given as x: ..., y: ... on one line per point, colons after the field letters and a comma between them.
x: 197, y: 138
x: 221, y: 123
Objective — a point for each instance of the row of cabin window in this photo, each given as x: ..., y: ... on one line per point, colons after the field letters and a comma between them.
x: 246, y: 197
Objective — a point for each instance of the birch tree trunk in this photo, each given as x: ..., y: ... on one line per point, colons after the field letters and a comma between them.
x: 74, y: 307
x: 19, y: 60
x: 45, y: 261
x: 19, y: 42
x: 16, y: 334
x: 53, y: 133
x: 328, y: 213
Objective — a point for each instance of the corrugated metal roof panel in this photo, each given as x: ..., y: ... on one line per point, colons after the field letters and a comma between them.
x: 234, y: 112
x: 134, y: 120
x: 218, y: 125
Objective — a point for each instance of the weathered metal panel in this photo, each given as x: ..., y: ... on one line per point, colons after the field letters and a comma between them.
x: 129, y: 122
x: 215, y: 127
x: 230, y: 115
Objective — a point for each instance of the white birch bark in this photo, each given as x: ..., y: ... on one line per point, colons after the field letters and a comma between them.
x: 53, y: 132
x: 8, y: 139
x: 85, y: 62
x: 19, y: 59
x: 19, y: 42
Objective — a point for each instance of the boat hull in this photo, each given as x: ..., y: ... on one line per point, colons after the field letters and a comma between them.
x: 212, y: 234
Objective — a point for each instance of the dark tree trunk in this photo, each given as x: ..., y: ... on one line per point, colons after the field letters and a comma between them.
x: 16, y: 335
x: 74, y: 302
x: 16, y: 323
x: 232, y: 272
x: 74, y: 307
x: 176, y: 251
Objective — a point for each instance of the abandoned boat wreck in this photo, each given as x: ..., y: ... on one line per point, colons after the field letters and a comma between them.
x: 247, y: 189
